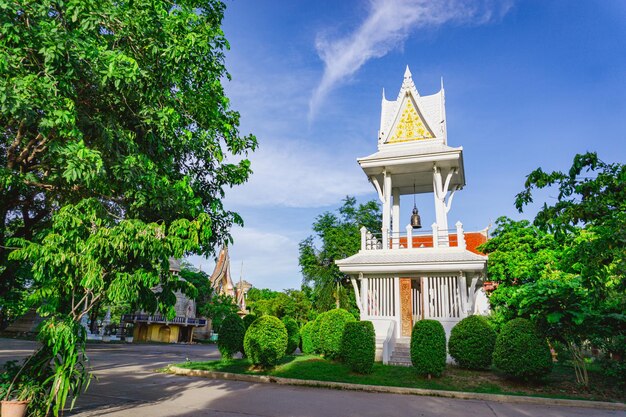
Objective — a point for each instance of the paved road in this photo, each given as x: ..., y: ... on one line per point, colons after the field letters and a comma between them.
x: 128, y: 385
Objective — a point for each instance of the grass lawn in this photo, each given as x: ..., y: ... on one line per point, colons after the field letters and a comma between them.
x: 560, y: 384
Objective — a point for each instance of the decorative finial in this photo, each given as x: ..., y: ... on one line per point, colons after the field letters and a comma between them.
x: 383, y: 94
x: 442, y: 83
x: 407, y: 84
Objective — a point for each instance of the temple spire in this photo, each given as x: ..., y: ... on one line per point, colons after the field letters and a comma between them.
x: 407, y: 84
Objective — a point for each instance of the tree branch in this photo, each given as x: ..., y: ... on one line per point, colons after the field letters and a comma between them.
x: 16, y: 142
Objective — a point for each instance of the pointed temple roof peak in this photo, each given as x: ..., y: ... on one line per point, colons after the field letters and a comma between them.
x: 412, y: 117
x: 407, y: 84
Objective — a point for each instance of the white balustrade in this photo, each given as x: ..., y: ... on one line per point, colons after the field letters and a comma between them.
x: 409, y: 236
x: 435, y: 227
x: 460, y: 235
x: 363, y: 237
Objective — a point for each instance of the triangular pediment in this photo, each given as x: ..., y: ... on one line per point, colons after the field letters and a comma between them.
x: 410, y: 124
x: 412, y: 117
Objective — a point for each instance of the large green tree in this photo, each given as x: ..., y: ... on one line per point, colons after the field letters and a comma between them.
x: 567, y: 272
x: 527, y: 262
x: 338, y: 235
x: 114, y: 156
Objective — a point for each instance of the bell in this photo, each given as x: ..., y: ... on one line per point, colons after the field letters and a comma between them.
x: 416, y: 222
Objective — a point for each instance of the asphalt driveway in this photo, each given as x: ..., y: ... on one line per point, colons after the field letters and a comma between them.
x: 128, y: 384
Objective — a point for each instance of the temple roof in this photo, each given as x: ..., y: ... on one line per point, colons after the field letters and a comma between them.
x: 413, y: 141
x: 174, y: 265
x: 221, y: 280
x: 412, y: 117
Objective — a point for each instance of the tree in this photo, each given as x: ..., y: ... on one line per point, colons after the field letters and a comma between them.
x: 566, y: 271
x: 340, y: 237
x: 114, y: 157
x: 200, y: 289
x: 589, y: 219
x: 218, y: 308
x: 288, y: 303
x: 520, y: 253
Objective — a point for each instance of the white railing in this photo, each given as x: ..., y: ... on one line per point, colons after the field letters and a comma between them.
x: 416, y: 300
x: 380, y: 297
x: 413, y: 240
x: 443, y: 297
x: 389, y: 344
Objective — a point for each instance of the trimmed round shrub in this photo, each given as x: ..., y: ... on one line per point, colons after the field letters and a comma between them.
x: 520, y: 352
x: 428, y: 348
x: 293, y: 334
x: 331, y: 331
x: 358, y: 346
x: 265, y: 342
x: 248, y: 319
x: 306, y: 335
x: 315, y: 332
x: 471, y: 343
x: 232, y: 332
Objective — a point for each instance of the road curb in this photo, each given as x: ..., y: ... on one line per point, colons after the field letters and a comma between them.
x: 399, y: 390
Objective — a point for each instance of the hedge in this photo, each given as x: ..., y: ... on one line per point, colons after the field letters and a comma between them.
x: 306, y: 335
x: 358, y: 346
x: 471, y: 343
x: 230, y: 340
x: 520, y: 352
x: 293, y: 334
x: 331, y: 332
x: 265, y: 342
x: 315, y: 332
x: 248, y: 319
x: 428, y: 348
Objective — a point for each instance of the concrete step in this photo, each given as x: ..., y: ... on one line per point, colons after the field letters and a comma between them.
x: 400, y: 357
x: 400, y: 363
x: 402, y: 349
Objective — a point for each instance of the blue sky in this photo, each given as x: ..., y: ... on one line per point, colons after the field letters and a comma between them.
x: 528, y: 84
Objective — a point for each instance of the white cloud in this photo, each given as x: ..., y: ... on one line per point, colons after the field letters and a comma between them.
x: 386, y: 27
x: 297, y: 174
x: 270, y: 260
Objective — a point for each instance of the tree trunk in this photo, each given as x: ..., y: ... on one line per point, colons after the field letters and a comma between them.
x: 580, y: 367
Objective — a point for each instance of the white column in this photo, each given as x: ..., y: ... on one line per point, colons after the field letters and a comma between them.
x: 386, y: 209
x: 435, y: 235
x: 440, y: 195
x: 364, y: 297
x: 463, y: 294
x: 357, y: 295
x: 426, y: 298
x: 440, y: 191
x: 395, y: 218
